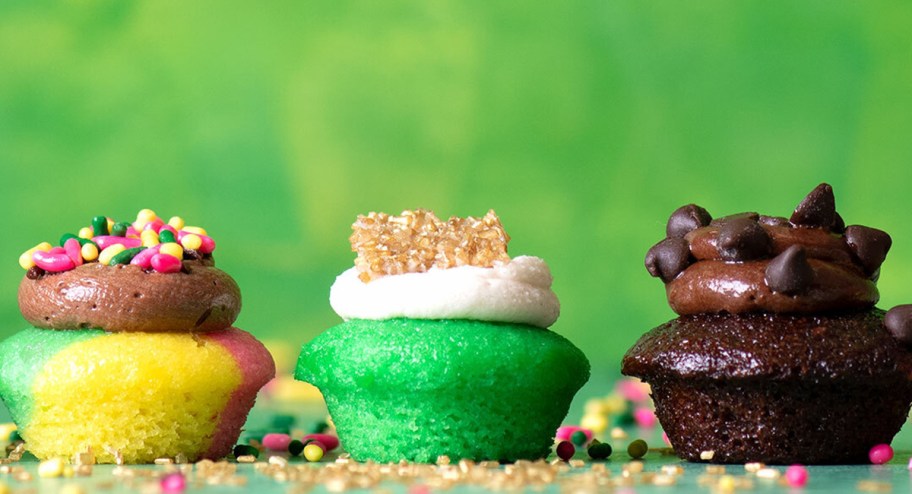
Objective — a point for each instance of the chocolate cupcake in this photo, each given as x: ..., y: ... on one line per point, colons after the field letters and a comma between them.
x: 779, y: 354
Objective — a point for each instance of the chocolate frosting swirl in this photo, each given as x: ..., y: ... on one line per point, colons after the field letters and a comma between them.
x: 201, y: 298
x: 810, y: 263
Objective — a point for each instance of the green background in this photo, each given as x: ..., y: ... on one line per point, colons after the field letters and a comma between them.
x: 582, y: 123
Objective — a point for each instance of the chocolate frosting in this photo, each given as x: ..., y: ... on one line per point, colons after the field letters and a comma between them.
x: 747, y: 262
x: 201, y: 298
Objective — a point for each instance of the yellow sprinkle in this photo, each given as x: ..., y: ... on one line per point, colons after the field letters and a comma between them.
x: 50, y: 468
x: 112, y: 250
x: 191, y: 241
x: 149, y: 238
x: 726, y: 483
x: 89, y: 252
x: 7, y: 429
x: 146, y: 216
x: 72, y: 489
x: 195, y: 229
x: 594, y: 422
x: 86, y: 232
x: 173, y: 249
x: 177, y: 222
x: 313, y: 452
x: 26, y: 261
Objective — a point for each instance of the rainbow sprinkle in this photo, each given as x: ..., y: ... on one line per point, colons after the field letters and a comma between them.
x: 149, y: 242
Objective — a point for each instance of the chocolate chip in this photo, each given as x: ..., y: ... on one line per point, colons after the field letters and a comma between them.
x: 838, y: 224
x: 686, y: 219
x: 898, y: 322
x: 774, y: 220
x: 743, y: 239
x: 870, y: 246
x: 34, y: 273
x: 817, y: 209
x: 725, y: 219
x: 789, y: 272
x: 668, y: 258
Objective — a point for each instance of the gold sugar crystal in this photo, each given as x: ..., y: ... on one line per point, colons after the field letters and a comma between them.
x: 417, y: 240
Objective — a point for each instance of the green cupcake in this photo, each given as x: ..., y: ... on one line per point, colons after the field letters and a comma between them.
x: 445, y: 351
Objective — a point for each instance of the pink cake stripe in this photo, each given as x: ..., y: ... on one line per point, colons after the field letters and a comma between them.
x: 257, y: 368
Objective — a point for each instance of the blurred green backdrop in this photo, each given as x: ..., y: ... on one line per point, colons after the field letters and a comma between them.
x: 582, y: 123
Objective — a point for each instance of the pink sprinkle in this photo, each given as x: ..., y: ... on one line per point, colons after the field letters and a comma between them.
x: 173, y: 482
x: 796, y: 476
x: 419, y: 489
x: 645, y: 417
x: 57, y: 250
x: 105, y: 241
x: 276, y: 441
x: 144, y: 258
x: 634, y: 390
x: 73, y: 250
x: 880, y: 454
x: 53, y: 261
x: 165, y: 263
x: 564, y: 432
x: 329, y: 441
x: 910, y: 464
x: 665, y: 438
x: 154, y: 225
x: 131, y: 231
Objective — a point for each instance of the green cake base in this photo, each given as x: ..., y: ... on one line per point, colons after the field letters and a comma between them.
x: 410, y: 389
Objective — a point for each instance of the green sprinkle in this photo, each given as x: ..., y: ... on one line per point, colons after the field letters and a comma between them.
x: 120, y: 229
x: 579, y: 438
x: 246, y: 450
x: 599, y: 450
x: 295, y: 447
x: 283, y: 423
x: 637, y: 449
x: 67, y: 236
x: 14, y: 437
x: 623, y: 419
x: 165, y: 236
x: 319, y: 427
x: 124, y: 257
x: 100, y: 225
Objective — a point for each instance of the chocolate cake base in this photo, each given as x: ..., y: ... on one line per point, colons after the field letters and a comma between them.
x: 780, y: 422
x: 776, y: 388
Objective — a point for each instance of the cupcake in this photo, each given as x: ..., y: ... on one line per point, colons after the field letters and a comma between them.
x: 131, y: 355
x: 445, y: 349
x: 779, y: 354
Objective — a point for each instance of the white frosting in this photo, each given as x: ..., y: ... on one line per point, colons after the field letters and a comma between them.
x: 518, y: 291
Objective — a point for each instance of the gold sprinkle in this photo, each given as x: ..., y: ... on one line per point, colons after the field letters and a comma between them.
x: 164, y: 461
x: 278, y: 460
x: 633, y: 467
x: 672, y: 469
x: 443, y: 460
x: 707, y: 455
x: 873, y: 486
x: 715, y: 469
x: 618, y: 433
x: 664, y: 480
x: 246, y: 459
x: 577, y: 463
x: 417, y: 240
x: 753, y: 467
x: 768, y: 473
